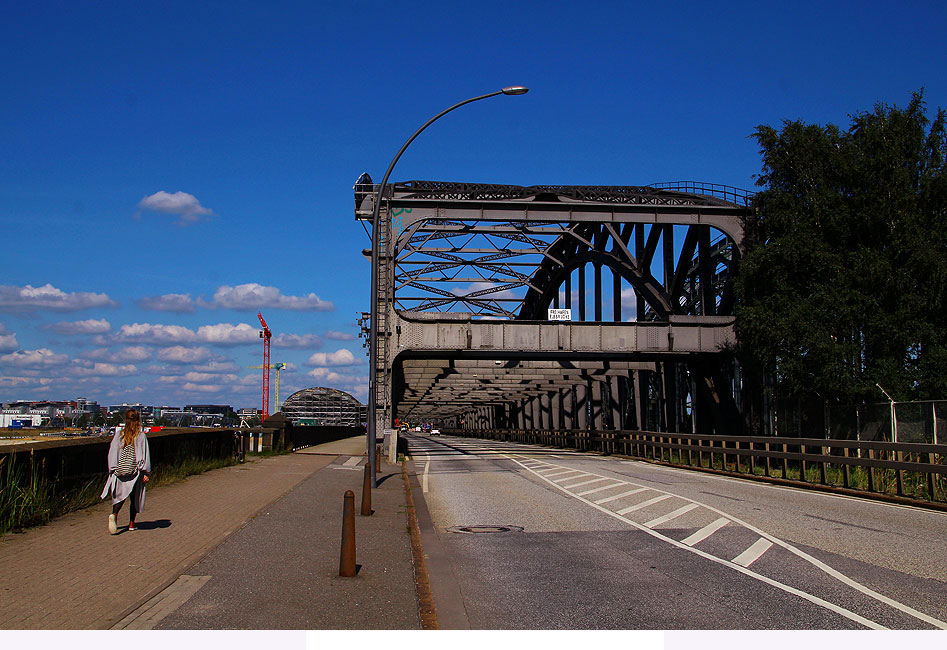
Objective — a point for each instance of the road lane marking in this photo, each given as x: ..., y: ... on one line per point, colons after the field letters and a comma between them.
x: 354, y: 460
x: 600, y: 489
x: 554, y: 473
x: 748, y: 572
x: 861, y: 620
x: 671, y: 515
x: 589, y: 482
x: 620, y: 496
x: 644, y: 504
x: 752, y: 554
x: 570, y: 478
x: 427, y: 466
x: 706, y: 531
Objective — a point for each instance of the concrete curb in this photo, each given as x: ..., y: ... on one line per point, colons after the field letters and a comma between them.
x: 445, y: 589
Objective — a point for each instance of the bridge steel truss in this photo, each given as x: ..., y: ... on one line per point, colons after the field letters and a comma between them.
x: 468, y: 272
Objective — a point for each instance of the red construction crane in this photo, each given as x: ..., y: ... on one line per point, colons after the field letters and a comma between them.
x: 265, y: 334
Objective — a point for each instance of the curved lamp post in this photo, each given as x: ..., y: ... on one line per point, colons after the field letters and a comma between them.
x: 373, y: 332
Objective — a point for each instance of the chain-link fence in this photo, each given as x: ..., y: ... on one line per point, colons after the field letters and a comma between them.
x: 921, y: 422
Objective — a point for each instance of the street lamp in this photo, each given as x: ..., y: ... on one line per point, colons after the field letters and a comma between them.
x: 373, y: 331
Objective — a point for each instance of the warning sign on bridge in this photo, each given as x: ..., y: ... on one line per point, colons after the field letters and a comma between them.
x: 560, y: 314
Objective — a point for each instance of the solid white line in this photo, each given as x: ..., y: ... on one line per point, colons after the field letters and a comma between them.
x: 671, y: 515
x: 752, y: 554
x: 600, y: 489
x: 575, y: 485
x: 571, y: 478
x: 427, y: 466
x: 354, y: 460
x: 706, y: 531
x: 644, y: 504
x: 619, y: 496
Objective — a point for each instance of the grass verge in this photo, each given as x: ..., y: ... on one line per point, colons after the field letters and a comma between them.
x: 27, y: 499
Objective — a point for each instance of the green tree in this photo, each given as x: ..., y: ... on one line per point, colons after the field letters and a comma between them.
x: 844, y: 284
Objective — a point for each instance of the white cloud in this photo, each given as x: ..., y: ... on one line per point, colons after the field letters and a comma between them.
x: 256, y: 296
x: 227, y: 334
x: 90, y: 326
x: 42, y: 358
x: 325, y: 374
x: 180, y: 204
x: 148, y: 333
x: 128, y: 353
x: 201, y: 388
x: 20, y: 382
x: 483, y: 286
x: 181, y: 354
x: 219, y: 334
x: 217, y: 366
x: 180, y: 303
x: 339, y: 336
x: 29, y: 298
x: 105, y: 370
x: 297, y: 341
x: 341, y: 357
x: 8, y: 341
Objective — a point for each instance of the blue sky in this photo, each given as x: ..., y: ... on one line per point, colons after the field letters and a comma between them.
x: 168, y: 169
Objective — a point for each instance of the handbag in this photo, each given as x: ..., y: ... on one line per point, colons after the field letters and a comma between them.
x: 126, y: 461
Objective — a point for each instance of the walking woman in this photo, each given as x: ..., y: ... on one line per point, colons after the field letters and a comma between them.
x: 129, y: 470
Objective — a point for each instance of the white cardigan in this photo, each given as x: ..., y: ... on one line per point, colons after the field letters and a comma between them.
x: 121, y: 489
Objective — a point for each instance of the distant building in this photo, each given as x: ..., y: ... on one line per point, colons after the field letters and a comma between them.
x: 324, y: 407
x: 219, y: 409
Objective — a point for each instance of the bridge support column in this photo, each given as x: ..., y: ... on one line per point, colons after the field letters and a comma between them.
x: 545, y: 411
x: 642, y: 399
x: 598, y: 412
x: 568, y: 408
x: 614, y: 401
x: 556, y: 407
x: 581, y: 406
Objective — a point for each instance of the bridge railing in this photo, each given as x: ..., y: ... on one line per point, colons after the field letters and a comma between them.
x: 907, y: 472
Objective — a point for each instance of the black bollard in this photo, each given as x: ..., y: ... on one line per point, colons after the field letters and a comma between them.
x: 347, y: 556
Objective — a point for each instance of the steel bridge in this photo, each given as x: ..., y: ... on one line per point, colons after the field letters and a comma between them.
x: 577, y: 307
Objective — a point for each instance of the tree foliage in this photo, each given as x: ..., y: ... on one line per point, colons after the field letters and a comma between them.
x: 845, y: 281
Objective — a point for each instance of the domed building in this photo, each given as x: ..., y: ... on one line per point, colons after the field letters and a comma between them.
x: 324, y: 407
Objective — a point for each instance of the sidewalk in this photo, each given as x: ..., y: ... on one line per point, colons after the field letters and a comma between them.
x: 252, y: 546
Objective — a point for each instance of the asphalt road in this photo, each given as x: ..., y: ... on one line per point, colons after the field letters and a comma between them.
x: 538, y: 538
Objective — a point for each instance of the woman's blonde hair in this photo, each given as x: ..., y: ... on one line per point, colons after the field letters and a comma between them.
x: 132, y: 426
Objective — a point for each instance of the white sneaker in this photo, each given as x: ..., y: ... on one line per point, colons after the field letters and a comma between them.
x: 113, y: 526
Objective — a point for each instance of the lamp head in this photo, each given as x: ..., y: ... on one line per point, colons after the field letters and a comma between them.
x: 515, y: 90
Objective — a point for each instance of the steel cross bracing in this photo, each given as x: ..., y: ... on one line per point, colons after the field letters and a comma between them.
x: 464, y: 255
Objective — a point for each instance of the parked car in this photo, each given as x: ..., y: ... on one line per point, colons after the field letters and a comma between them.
x: 435, y: 432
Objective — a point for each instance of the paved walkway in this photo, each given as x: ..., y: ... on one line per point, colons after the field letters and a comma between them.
x: 252, y: 546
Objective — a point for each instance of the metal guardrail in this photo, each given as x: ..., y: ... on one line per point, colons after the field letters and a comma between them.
x: 902, y: 471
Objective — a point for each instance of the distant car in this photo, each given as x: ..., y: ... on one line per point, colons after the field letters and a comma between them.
x: 435, y: 432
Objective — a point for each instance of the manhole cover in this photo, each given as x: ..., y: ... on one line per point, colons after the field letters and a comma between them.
x: 485, y: 529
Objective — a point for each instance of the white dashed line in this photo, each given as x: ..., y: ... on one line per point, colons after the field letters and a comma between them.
x: 644, y: 504
x: 599, y: 489
x: 706, y: 531
x: 589, y: 482
x: 752, y: 554
x: 570, y: 478
x: 671, y: 515
x: 620, y: 496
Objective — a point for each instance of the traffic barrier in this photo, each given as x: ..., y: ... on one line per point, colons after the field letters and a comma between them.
x: 347, y: 555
